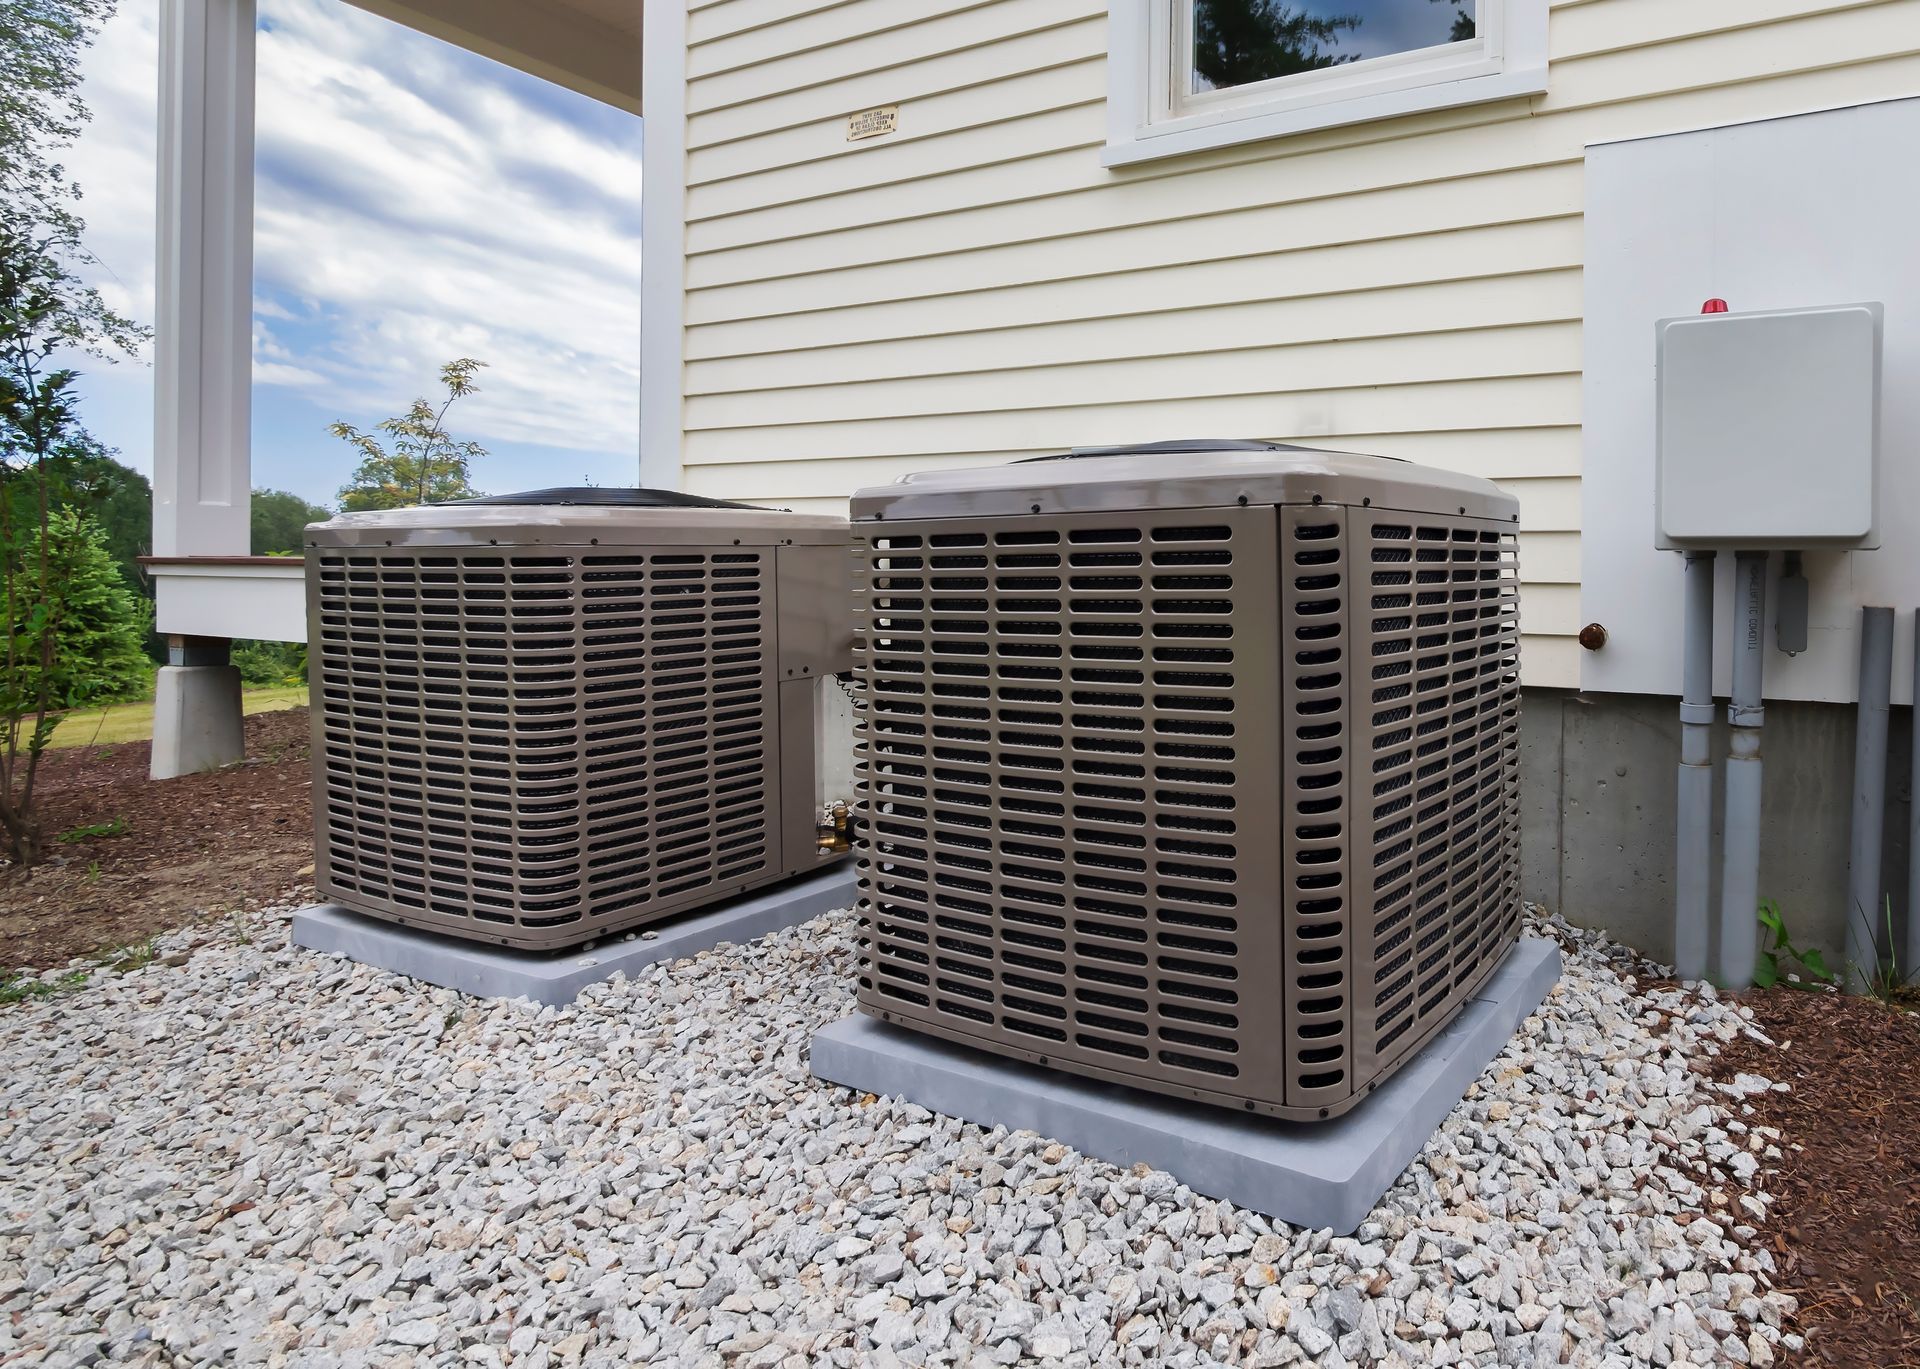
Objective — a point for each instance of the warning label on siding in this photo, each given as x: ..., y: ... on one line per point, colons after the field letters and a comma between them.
x: 872, y: 123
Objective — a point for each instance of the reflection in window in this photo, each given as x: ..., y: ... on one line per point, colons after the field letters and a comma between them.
x: 1237, y: 42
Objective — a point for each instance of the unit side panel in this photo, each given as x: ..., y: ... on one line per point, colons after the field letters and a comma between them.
x: 1439, y: 712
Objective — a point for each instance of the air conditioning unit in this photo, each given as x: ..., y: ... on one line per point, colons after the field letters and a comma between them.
x: 1193, y: 767
x: 542, y: 718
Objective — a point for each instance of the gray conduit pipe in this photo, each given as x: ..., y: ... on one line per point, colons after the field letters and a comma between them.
x: 1693, y: 857
x: 1864, y: 916
x: 1910, y: 966
x: 1740, y: 874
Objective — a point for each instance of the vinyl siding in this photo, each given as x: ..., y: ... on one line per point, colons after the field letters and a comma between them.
x: 977, y: 287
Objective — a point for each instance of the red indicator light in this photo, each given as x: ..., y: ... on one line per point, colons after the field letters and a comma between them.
x: 1714, y: 306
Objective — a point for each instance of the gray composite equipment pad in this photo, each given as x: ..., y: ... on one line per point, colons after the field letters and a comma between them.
x: 1326, y: 1174
x: 500, y: 972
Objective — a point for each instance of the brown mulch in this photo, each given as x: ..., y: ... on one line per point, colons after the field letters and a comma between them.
x: 201, y: 844
x: 1845, y: 1228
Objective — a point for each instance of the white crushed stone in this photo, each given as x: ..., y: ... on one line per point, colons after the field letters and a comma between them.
x: 266, y: 1156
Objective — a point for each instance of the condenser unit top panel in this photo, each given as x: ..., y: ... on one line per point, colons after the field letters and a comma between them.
x: 631, y: 497
x: 568, y: 517
x: 1202, y: 473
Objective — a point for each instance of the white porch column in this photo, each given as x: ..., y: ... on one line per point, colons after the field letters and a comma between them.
x: 663, y: 243
x: 203, y: 366
x: 203, y: 308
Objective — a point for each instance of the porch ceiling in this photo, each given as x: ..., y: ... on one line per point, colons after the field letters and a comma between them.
x: 592, y: 46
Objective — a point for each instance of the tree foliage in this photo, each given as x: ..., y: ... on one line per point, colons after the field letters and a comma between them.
x: 280, y: 521
x: 419, y: 463
x: 41, y: 113
x: 1237, y: 42
x: 67, y: 575
x: 46, y: 313
x: 87, y: 477
x: 1463, y: 23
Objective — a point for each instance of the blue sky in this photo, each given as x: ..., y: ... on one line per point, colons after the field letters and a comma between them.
x: 414, y: 203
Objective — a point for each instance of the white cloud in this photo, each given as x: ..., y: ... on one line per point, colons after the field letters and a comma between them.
x: 113, y: 161
x: 413, y: 204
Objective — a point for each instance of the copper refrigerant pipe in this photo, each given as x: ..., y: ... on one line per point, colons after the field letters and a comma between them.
x: 832, y: 833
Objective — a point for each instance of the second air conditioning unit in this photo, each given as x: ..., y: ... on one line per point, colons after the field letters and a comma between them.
x: 542, y: 718
x: 1192, y: 767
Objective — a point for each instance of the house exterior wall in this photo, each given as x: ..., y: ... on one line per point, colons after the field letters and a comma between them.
x: 977, y: 287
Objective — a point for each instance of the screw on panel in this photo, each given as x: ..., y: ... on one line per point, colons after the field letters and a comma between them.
x: 1316, y: 500
x: 1035, y: 508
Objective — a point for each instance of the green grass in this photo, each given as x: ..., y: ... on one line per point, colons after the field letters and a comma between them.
x: 22, y: 986
x: 18, y: 989
x: 114, y: 827
x: 133, y: 722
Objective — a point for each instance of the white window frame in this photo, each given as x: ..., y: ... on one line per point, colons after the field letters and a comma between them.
x: 1150, y: 114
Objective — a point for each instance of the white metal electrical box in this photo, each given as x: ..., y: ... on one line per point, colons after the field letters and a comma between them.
x: 1769, y: 429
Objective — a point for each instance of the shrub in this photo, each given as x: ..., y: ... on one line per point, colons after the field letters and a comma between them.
x: 270, y: 663
x: 97, y: 622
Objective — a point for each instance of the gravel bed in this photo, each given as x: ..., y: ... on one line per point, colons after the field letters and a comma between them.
x: 262, y: 1155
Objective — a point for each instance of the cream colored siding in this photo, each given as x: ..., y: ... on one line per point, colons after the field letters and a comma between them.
x: 977, y: 287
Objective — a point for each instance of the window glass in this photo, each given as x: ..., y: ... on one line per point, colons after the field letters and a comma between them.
x: 1237, y: 42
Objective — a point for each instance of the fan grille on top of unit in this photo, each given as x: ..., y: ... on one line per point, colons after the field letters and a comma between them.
x: 536, y: 740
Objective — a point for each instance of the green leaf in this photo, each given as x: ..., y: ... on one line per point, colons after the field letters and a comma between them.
x: 1816, y: 965
x: 1766, y: 971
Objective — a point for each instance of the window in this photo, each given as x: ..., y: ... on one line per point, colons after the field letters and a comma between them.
x: 1185, y: 75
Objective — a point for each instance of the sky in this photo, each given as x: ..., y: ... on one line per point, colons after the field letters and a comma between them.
x: 413, y: 203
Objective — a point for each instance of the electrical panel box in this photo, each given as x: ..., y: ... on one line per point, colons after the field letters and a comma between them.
x: 1768, y: 429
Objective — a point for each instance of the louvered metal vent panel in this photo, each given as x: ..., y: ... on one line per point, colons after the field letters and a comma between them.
x: 541, y: 745
x: 1439, y: 693
x: 1070, y: 767
x: 1219, y: 802
x: 1317, y: 826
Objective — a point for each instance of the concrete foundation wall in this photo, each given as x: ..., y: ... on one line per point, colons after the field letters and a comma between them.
x: 1598, y: 798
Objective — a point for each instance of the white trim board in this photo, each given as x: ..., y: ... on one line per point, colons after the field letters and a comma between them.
x: 663, y: 243
x: 266, y: 603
